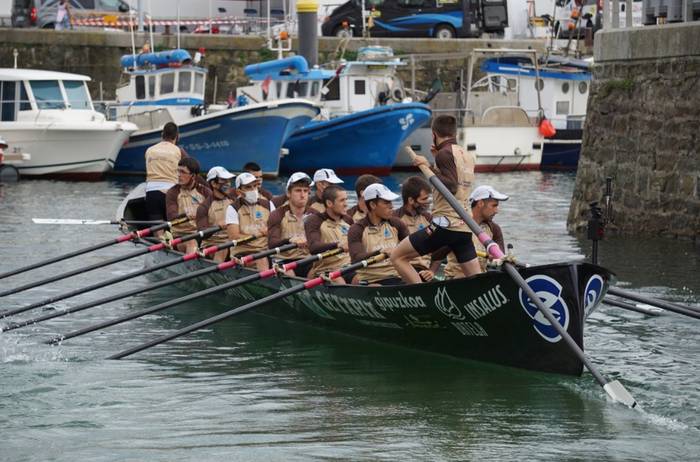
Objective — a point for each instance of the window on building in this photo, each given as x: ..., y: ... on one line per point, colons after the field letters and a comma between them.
x: 359, y: 87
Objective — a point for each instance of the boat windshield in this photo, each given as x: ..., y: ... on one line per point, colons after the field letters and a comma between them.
x: 47, y: 94
x: 199, y: 83
x: 77, y: 94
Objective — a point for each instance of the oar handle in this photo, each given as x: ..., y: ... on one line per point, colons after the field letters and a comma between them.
x: 489, y: 244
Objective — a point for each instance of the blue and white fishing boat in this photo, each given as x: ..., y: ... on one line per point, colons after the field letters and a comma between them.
x: 365, y: 115
x: 563, y: 96
x: 168, y: 87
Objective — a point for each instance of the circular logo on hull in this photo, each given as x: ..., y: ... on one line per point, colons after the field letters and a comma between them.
x: 549, y: 292
x: 593, y: 292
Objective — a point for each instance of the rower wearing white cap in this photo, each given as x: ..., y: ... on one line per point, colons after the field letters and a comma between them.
x: 484, y: 201
x: 212, y: 212
x: 248, y: 216
x: 379, y: 230
x: 286, y: 223
x: 322, y: 179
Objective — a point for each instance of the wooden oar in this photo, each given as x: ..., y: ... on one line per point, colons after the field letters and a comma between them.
x: 202, y: 293
x: 674, y: 307
x: 160, y: 246
x: 256, y: 304
x: 613, y: 388
x: 85, y: 269
x: 194, y: 274
x: 75, y: 253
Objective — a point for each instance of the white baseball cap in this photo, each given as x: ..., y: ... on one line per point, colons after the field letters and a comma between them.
x: 327, y: 174
x: 3, y: 142
x: 378, y: 191
x: 219, y: 172
x: 299, y: 176
x: 486, y: 192
x: 244, y: 179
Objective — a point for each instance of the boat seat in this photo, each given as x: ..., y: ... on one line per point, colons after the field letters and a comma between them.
x: 505, y: 116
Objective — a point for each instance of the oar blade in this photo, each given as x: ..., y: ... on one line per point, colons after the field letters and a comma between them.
x: 71, y: 221
x: 619, y: 393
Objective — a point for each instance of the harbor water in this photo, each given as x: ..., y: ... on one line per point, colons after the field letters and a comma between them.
x: 256, y: 388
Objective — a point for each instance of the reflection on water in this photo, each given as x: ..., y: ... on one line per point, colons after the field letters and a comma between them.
x: 254, y: 388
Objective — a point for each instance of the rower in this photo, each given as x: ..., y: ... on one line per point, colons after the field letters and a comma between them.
x: 248, y: 216
x: 287, y: 222
x: 359, y: 211
x: 381, y: 231
x: 162, y: 172
x: 484, y: 202
x: 255, y: 170
x: 455, y: 168
x: 212, y: 212
x: 415, y: 192
x: 322, y: 179
x: 329, y: 230
x: 184, y: 198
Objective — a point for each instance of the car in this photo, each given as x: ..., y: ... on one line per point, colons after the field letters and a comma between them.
x: 42, y: 13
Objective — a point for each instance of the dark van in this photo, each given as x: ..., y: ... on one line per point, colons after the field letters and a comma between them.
x: 442, y: 19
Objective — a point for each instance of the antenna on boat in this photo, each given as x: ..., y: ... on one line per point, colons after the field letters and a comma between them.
x: 150, y: 25
x: 133, y: 40
x: 178, y: 24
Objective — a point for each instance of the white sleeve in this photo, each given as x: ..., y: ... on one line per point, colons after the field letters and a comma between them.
x: 231, y: 216
x: 272, y: 207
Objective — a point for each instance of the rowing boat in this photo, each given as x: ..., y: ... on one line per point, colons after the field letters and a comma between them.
x: 484, y: 318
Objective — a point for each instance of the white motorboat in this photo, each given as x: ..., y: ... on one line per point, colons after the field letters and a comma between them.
x: 491, y: 124
x: 50, y: 114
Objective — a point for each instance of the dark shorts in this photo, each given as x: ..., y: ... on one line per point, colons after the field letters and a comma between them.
x: 155, y: 205
x: 432, y: 238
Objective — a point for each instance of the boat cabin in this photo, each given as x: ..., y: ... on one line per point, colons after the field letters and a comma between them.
x: 160, y: 87
x: 29, y: 94
x: 563, y: 86
x: 353, y: 86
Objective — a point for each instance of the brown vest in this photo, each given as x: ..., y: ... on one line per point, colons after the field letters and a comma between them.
x: 464, y: 161
x: 332, y: 231
x: 217, y: 217
x: 414, y: 224
x: 251, y: 218
x: 375, y: 238
x: 161, y: 162
x: 187, y: 202
x: 293, y: 227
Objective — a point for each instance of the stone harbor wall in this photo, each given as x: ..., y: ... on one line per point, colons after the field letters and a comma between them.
x: 97, y: 54
x: 643, y: 130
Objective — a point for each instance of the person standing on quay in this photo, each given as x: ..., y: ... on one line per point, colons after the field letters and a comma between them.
x: 63, y: 16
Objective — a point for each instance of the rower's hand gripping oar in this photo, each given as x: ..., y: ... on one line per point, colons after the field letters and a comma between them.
x: 613, y: 388
x: 124, y: 238
x: 220, y: 288
x: 153, y: 248
x: 58, y: 277
x: 220, y: 267
x: 311, y: 283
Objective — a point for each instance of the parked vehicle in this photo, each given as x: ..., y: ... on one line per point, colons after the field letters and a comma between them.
x: 442, y: 19
x: 42, y: 13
